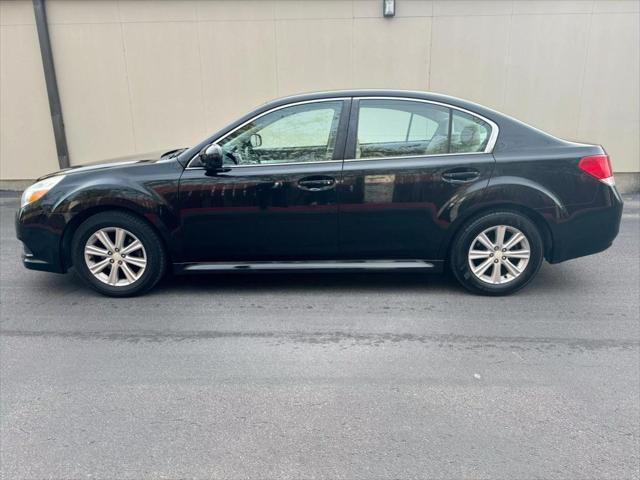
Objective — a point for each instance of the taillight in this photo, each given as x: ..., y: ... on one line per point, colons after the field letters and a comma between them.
x: 598, y: 166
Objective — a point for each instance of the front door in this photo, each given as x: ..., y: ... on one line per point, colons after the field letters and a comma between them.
x: 277, y: 200
x: 406, y: 165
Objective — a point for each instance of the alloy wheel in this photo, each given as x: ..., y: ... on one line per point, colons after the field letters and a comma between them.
x: 499, y: 254
x: 115, y: 256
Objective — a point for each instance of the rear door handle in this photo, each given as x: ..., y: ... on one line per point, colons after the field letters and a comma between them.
x: 316, y: 184
x: 460, y: 176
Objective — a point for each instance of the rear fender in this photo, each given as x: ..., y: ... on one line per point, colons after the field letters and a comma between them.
x: 511, y: 193
x: 522, y: 191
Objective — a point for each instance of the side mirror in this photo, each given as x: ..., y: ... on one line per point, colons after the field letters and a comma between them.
x: 212, y: 158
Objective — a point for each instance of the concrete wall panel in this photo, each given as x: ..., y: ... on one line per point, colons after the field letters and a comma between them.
x: 552, y: 6
x: 391, y: 54
x: 231, y: 10
x: 17, y: 12
x: 94, y: 94
x: 469, y: 57
x: 254, y: 50
x: 545, y: 70
x: 616, y: 6
x: 318, y: 61
x: 300, y: 9
x: 74, y: 11
x: 610, y: 110
x: 153, y: 11
x: 27, y: 148
x: 165, y: 82
x: 138, y: 75
x: 472, y: 7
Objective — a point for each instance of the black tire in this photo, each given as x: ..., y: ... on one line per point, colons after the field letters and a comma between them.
x: 155, y: 255
x: 459, y: 256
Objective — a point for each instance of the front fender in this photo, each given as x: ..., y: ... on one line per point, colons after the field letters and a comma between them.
x: 125, y: 196
x: 154, y: 200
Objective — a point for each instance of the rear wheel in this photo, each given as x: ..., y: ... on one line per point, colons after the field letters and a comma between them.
x: 497, y: 253
x: 118, y: 254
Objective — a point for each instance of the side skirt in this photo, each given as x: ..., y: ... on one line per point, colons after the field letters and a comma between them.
x: 435, y: 266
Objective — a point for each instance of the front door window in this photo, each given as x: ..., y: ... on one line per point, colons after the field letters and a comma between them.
x: 296, y: 134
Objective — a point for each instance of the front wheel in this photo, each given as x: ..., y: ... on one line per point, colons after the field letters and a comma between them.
x: 497, y: 254
x: 118, y: 254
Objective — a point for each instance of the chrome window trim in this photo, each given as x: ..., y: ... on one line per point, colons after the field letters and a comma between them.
x: 369, y: 159
x: 493, y: 137
x: 274, y: 109
x: 317, y: 162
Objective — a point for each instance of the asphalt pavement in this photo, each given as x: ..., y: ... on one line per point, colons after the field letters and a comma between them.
x: 301, y: 376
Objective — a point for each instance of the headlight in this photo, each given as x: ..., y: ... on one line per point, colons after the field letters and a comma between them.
x: 38, y: 189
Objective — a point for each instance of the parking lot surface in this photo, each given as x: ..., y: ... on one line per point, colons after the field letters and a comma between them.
x: 323, y: 376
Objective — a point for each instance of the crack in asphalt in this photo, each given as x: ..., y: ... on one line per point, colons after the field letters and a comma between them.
x: 332, y: 338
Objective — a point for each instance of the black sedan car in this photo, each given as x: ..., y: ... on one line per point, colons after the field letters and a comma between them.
x: 349, y: 180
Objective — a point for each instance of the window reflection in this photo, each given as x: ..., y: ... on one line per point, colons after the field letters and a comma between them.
x: 300, y: 133
x: 399, y: 128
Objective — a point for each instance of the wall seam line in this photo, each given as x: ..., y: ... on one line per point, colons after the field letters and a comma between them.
x: 126, y: 73
x: 506, y: 63
x: 203, y: 103
x: 275, y: 52
x: 430, y: 57
x: 353, y: 43
x: 583, y: 75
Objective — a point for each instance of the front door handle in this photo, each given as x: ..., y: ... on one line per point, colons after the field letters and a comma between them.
x: 460, y: 175
x: 316, y: 184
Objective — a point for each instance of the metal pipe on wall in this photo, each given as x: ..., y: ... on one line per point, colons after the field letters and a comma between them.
x: 52, y: 83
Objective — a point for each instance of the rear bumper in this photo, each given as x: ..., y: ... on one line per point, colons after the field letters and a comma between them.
x: 588, y: 230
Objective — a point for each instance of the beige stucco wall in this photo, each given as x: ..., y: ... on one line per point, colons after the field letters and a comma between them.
x: 141, y: 75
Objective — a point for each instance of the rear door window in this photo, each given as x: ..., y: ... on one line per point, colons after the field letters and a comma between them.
x: 394, y: 128
x: 400, y: 128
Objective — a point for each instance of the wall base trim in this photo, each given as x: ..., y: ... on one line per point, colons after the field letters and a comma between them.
x: 628, y: 182
x: 15, y: 185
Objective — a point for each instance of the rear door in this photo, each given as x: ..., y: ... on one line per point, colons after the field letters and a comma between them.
x: 407, y: 162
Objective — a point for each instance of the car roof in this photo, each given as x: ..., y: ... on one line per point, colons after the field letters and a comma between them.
x: 421, y: 95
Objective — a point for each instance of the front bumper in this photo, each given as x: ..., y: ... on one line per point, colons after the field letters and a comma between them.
x: 41, y: 241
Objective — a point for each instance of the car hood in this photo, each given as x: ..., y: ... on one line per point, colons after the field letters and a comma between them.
x: 150, y: 157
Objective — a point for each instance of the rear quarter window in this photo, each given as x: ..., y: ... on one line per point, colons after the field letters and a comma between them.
x: 468, y: 133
